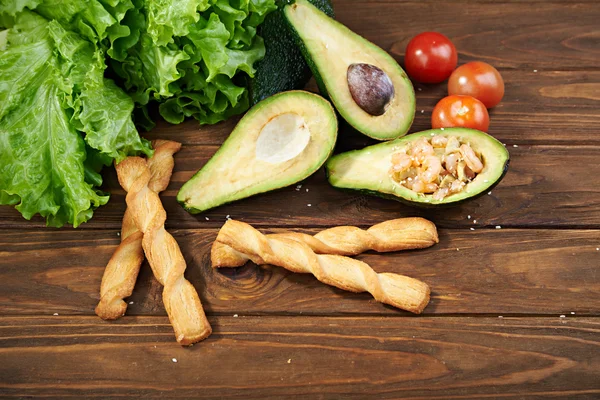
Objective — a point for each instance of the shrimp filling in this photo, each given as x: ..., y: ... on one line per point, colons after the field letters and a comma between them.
x: 439, y: 166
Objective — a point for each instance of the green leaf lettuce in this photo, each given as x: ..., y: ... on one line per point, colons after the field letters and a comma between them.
x: 55, y: 103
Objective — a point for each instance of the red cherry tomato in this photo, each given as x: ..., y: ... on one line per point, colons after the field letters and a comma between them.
x: 480, y: 80
x: 430, y: 57
x: 462, y: 111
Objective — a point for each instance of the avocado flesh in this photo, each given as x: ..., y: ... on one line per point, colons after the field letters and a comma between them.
x: 283, y: 67
x: 280, y: 141
x: 330, y: 48
x: 368, y: 169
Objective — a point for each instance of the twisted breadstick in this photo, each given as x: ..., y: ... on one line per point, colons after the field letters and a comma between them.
x: 339, y: 271
x: 123, y: 268
x: 162, y: 251
x: 393, y: 235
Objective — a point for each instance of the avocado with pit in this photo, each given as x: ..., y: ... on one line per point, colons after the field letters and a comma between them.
x: 365, y: 84
x: 280, y: 141
x: 283, y: 67
x: 369, y: 170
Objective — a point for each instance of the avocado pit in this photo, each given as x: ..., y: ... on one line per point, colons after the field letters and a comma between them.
x: 283, y: 138
x: 371, y: 88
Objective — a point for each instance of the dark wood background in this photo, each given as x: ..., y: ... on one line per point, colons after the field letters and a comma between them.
x: 514, y: 311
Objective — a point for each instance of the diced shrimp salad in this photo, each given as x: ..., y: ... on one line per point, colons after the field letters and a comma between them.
x: 439, y: 166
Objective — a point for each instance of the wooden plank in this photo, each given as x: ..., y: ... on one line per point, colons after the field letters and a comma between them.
x: 544, y: 107
x: 303, y: 357
x: 541, y: 178
x: 500, y: 272
x: 544, y: 35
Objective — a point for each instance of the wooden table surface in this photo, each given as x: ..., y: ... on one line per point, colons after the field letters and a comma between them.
x: 516, y: 282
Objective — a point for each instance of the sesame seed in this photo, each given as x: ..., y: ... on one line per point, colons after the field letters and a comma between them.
x: 457, y: 249
x: 208, y: 219
x: 309, y: 205
x: 563, y: 316
x: 298, y: 186
x: 235, y: 315
x: 485, y: 181
x: 498, y: 227
x: 227, y: 216
x: 597, y: 248
x: 307, y: 189
x: 500, y: 316
x: 441, y: 129
x: 290, y: 361
x: 472, y: 229
x: 515, y: 145
x: 468, y: 216
x: 118, y: 233
x: 474, y: 221
x: 422, y: 111
x: 55, y: 313
x: 174, y: 360
x: 433, y: 134
x: 573, y: 312
x: 489, y: 193
x: 131, y: 302
x: 535, y: 70
x: 419, y: 89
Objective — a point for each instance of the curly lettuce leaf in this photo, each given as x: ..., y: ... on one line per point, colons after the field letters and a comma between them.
x: 13, y: 7
x: 126, y: 33
x: 169, y: 18
x: 42, y: 158
x: 27, y: 57
x: 88, y: 18
x: 101, y: 109
x: 194, y: 58
x: 105, y: 116
x: 27, y: 27
x: 53, y: 100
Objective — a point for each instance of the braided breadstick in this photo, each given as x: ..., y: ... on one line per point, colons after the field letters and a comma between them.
x: 393, y: 235
x: 162, y: 251
x: 339, y: 271
x: 123, y: 268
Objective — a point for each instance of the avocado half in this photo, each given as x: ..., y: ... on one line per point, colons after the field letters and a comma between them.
x: 280, y: 141
x: 367, y: 169
x: 350, y: 71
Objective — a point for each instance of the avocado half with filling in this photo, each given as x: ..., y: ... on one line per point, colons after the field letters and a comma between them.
x: 365, y: 84
x: 280, y: 141
x: 378, y: 169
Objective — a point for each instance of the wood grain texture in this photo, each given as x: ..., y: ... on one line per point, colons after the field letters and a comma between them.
x: 540, y: 178
x: 303, y: 357
x: 493, y: 271
x: 543, y: 35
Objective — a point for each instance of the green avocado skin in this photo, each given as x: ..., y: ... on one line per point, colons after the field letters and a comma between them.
x: 284, y: 67
x: 421, y: 204
x: 306, y: 55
